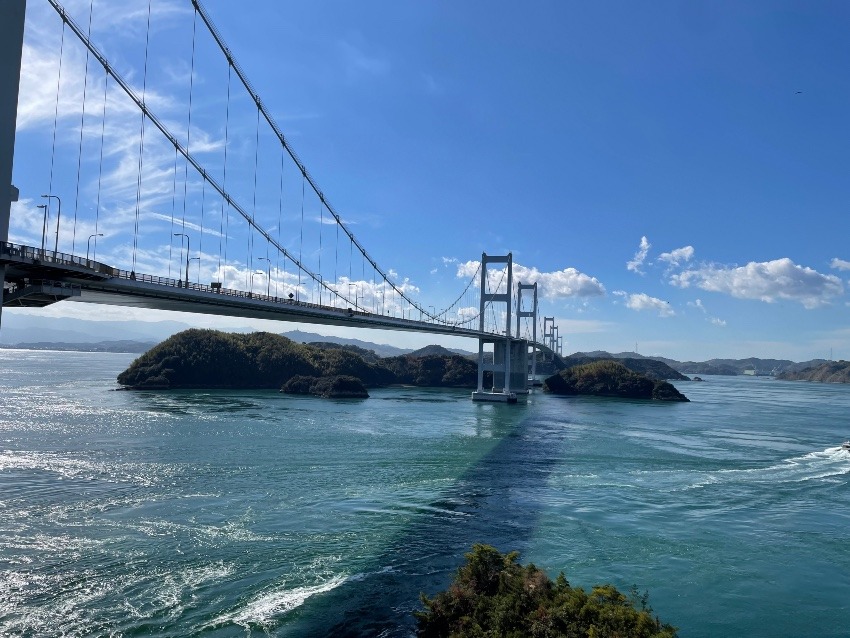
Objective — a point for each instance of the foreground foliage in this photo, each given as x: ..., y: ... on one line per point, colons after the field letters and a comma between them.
x: 610, y: 379
x: 494, y: 596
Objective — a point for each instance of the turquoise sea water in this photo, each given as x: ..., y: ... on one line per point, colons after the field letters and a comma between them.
x: 254, y: 513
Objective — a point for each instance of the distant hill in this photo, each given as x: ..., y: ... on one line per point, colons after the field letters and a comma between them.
x: 132, y: 347
x: 20, y: 327
x: 651, y: 368
x: 602, y: 354
x: 828, y: 372
x: 380, y: 349
x: 712, y: 366
x: 433, y: 350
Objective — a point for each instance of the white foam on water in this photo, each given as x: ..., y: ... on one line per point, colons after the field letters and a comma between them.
x: 814, y: 466
x: 68, y: 467
x: 264, y: 608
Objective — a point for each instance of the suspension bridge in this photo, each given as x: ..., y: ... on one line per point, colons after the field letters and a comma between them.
x: 209, y: 210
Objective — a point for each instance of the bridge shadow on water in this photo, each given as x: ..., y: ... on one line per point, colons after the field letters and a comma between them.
x: 492, y: 502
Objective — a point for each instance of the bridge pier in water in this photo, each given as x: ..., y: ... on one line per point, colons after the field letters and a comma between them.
x: 532, y: 314
x: 11, y: 47
x: 506, y: 377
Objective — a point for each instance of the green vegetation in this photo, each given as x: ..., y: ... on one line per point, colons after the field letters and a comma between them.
x: 494, y: 596
x: 829, y: 372
x: 651, y: 368
x: 213, y: 359
x: 610, y: 379
x: 450, y: 371
x: 335, y: 387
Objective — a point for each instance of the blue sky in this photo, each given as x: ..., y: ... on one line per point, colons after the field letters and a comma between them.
x: 675, y: 175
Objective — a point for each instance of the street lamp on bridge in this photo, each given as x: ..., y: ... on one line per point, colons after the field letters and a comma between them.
x: 251, y: 288
x: 187, y: 254
x: 88, y: 244
x: 58, y: 215
x: 44, y: 224
x: 268, y: 276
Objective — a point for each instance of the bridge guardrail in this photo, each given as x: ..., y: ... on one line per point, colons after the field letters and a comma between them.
x: 39, y: 255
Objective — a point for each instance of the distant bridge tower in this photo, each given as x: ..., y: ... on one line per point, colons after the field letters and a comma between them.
x: 11, y: 48
x: 549, y: 332
x: 520, y: 313
x: 503, y: 347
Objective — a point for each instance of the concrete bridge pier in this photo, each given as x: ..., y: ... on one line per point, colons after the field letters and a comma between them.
x: 12, y: 14
x: 503, y: 348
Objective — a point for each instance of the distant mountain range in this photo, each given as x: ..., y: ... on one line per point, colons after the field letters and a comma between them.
x: 750, y: 366
x: 49, y: 333
x: 32, y: 332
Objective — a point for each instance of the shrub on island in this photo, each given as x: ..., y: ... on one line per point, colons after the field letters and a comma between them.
x: 492, y: 595
x: 335, y: 387
x: 610, y: 379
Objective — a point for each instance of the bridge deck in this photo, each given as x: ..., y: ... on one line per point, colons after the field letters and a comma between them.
x: 95, y: 282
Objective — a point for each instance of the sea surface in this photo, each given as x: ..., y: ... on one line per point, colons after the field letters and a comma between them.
x: 254, y: 513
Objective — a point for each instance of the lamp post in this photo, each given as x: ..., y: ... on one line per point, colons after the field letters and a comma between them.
x: 254, y: 272
x: 187, y: 253
x: 58, y: 215
x: 44, y: 225
x: 268, y: 276
x: 88, y: 244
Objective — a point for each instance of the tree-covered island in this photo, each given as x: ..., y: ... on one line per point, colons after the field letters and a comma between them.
x: 210, y: 359
x: 610, y: 379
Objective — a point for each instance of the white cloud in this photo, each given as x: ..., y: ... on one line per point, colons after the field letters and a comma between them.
x: 697, y: 304
x: 770, y: 281
x: 677, y: 256
x: 717, y: 322
x: 640, y: 256
x: 560, y: 284
x: 641, y: 301
x: 839, y: 264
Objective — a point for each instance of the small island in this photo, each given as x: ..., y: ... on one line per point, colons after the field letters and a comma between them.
x: 609, y: 378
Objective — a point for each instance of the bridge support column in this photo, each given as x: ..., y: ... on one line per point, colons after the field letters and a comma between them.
x: 501, y: 390
x: 532, y: 314
x: 12, y: 14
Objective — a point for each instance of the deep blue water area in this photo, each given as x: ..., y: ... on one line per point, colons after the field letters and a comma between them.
x: 254, y: 513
